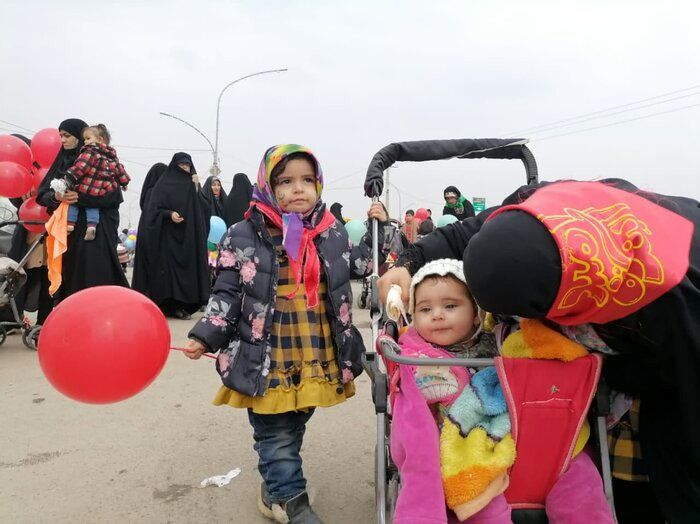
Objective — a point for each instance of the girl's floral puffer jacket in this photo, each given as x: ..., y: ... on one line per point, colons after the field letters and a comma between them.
x: 240, y: 310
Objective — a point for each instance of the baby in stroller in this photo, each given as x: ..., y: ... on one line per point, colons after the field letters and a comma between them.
x: 451, y: 435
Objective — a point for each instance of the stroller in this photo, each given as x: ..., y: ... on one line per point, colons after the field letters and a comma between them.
x: 388, y: 357
x: 395, y: 247
x: 12, y: 278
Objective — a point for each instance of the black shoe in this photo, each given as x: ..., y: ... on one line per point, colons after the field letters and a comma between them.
x: 182, y: 314
x: 294, y: 511
x: 299, y: 511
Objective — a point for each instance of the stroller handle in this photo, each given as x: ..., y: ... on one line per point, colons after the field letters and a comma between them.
x: 389, y: 352
x: 20, y: 222
x: 424, y: 150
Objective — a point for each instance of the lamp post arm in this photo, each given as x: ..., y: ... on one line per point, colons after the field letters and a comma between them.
x: 218, y: 107
x: 198, y: 131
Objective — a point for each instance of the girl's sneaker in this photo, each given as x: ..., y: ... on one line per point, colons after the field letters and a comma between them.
x: 90, y: 233
x: 294, y: 511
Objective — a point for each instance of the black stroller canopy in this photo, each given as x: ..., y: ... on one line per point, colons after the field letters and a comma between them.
x: 424, y: 150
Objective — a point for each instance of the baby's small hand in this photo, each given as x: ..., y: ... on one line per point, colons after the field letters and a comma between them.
x: 194, y: 350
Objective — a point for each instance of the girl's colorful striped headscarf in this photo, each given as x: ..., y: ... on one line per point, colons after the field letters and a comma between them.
x: 298, y: 230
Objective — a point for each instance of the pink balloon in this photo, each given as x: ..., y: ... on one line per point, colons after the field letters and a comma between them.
x: 15, y: 180
x: 33, y: 212
x: 421, y: 213
x: 45, y: 146
x: 12, y: 149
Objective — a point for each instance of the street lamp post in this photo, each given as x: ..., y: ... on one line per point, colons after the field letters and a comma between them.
x: 198, y: 131
x: 218, y: 109
x: 215, y: 146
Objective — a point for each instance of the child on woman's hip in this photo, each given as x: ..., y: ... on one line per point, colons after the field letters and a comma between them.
x: 96, y: 172
x: 280, y: 318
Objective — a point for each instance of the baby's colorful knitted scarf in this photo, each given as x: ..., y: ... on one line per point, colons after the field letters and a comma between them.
x: 476, y: 447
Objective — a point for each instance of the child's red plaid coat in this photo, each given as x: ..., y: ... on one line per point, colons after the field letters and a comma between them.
x: 97, y: 171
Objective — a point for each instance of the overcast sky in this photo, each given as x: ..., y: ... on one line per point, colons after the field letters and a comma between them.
x: 363, y: 74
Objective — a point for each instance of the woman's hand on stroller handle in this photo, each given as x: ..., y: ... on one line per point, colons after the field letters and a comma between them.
x: 396, y: 275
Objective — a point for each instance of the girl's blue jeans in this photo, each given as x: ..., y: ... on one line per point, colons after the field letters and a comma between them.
x: 278, y: 440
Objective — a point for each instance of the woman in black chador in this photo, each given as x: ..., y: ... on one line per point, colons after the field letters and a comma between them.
x: 214, y: 197
x: 238, y: 200
x: 174, y: 233
x: 140, y: 277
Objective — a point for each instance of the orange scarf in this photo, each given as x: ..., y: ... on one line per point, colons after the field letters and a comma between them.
x: 56, y: 245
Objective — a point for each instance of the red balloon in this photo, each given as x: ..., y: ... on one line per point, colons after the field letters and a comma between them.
x: 12, y: 149
x: 45, y: 146
x: 15, y: 180
x: 30, y: 210
x: 37, y: 176
x: 103, y: 344
x: 421, y: 213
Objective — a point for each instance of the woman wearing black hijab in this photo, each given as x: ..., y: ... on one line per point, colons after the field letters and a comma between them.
x: 456, y: 204
x: 337, y: 212
x: 214, y: 196
x: 139, y: 279
x: 626, y: 263
x: 238, y: 200
x: 85, y: 263
x: 174, y: 234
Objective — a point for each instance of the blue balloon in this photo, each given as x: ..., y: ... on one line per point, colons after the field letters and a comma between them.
x: 446, y: 219
x: 217, y: 230
x: 130, y: 244
x: 356, y: 230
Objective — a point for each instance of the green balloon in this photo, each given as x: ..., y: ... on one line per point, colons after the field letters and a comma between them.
x: 356, y: 230
x: 211, y: 246
x: 446, y: 219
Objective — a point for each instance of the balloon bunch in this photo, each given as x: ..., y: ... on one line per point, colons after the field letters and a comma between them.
x: 23, y: 167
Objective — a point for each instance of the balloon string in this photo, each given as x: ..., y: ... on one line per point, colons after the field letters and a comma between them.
x: 208, y: 355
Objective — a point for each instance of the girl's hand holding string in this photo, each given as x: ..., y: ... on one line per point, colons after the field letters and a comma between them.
x: 194, y: 350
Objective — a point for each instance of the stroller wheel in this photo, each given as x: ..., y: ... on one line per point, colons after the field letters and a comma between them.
x: 30, y: 337
x: 3, y: 335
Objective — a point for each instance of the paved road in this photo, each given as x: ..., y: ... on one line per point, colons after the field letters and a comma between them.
x: 142, y: 460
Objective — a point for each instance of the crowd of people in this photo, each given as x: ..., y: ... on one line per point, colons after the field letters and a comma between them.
x: 279, y: 316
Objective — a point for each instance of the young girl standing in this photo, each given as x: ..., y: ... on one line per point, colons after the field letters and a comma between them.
x: 280, y: 318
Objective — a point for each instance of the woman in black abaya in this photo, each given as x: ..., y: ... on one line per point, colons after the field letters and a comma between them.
x: 214, y: 197
x: 140, y: 276
x: 176, y: 242
x: 95, y: 262
x: 238, y: 200
x: 152, y: 178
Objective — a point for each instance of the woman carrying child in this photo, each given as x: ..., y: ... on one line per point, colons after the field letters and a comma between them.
x: 280, y: 318
x: 85, y: 263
